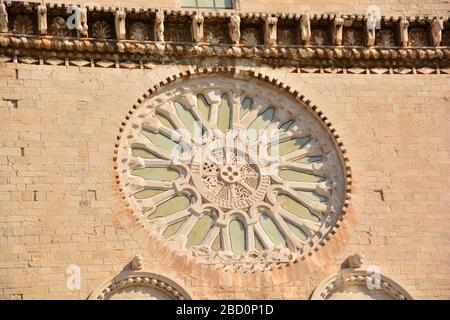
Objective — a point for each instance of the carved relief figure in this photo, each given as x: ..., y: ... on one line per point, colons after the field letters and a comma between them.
x: 403, y: 28
x: 23, y: 25
x: 119, y: 24
x: 305, y: 29
x: 436, y: 31
x: 82, y: 25
x: 139, y: 31
x: 159, y: 26
x: 418, y: 37
x: 58, y: 27
x: 101, y: 30
x: 235, y: 28
x: 42, y: 19
x: 270, y: 34
x: 286, y: 36
x: 385, y: 38
x: 336, y: 34
x: 250, y: 37
x: 215, y: 35
x: 370, y: 30
x: 319, y: 37
x: 445, y: 38
x: 3, y: 18
x: 197, y: 27
x: 353, y: 38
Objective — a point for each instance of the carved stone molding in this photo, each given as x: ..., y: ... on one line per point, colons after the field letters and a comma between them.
x: 139, y: 285
x: 352, y: 284
x: 304, y: 39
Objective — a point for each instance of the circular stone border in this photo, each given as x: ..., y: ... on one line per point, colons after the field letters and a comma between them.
x: 128, y: 279
x: 357, y: 277
x: 249, y: 75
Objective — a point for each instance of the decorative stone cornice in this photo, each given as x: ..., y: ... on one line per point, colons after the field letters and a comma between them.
x: 37, y: 32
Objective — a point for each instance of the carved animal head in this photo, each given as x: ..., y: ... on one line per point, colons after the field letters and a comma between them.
x: 138, y: 262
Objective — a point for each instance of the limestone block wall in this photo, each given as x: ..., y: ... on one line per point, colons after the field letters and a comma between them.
x: 59, y: 203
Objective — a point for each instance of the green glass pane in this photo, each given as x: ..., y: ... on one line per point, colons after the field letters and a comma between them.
x: 217, y: 245
x: 286, y: 125
x: 223, y: 121
x: 224, y: 4
x: 199, y: 231
x: 165, y: 122
x: 246, y: 106
x: 138, y: 152
x: 296, y: 208
x: 173, y: 228
x: 293, y: 175
x: 171, y: 206
x: 299, y: 233
x: 258, y: 244
x: 261, y: 122
x: 161, y: 141
x: 313, y: 196
x: 205, y: 3
x: 237, y: 236
x: 147, y: 193
x: 309, y: 159
x: 188, y: 3
x: 204, y: 106
x: 272, y: 231
x: 190, y: 123
x: 292, y: 145
x: 157, y: 174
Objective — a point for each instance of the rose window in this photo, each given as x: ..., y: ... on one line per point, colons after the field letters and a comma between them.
x: 232, y: 173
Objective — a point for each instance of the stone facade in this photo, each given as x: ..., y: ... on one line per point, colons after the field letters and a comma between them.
x: 62, y: 120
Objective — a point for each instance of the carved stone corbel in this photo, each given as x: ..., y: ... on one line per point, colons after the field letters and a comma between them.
x: 159, y: 26
x: 3, y: 18
x: 234, y: 27
x: 436, y: 31
x: 305, y: 29
x: 403, y: 31
x: 197, y: 27
x: 270, y: 31
x: 119, y: 24
x: 42, y: 19
x: 336, y: 32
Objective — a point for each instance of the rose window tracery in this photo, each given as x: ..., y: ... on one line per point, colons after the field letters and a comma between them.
x: 231, y: 173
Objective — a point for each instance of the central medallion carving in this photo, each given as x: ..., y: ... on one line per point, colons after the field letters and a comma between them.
x: 230, y: 179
